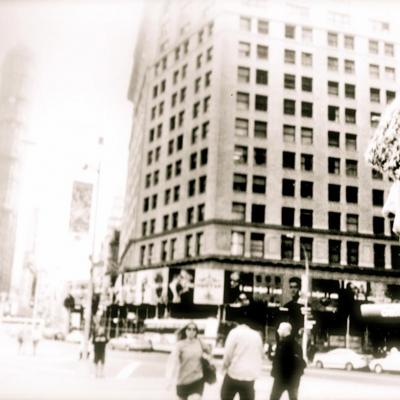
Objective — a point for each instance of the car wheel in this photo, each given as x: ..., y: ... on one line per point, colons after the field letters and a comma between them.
x: 378, y: 368
x: 348, y: 367
x: 319, y: 364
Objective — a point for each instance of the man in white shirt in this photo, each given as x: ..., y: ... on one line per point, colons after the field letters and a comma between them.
x: 242, y: 360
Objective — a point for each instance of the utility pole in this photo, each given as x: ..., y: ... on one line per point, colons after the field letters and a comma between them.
x: 306, y: 289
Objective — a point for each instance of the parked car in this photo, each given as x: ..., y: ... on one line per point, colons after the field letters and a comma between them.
x: 130, y: 341
x: 74, y: 336
x: 391, y: 362
x: 50, y: 332
x: 342, y: 359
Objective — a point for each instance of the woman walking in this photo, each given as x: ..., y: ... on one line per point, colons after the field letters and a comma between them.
x: 186, y: 365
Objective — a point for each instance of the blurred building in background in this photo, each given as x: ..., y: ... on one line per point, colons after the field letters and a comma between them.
x: 251, y: 120
x: 16, y: 84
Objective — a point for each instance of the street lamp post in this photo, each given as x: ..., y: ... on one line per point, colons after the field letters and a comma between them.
x: 306, y: 289
x: 89, y: 297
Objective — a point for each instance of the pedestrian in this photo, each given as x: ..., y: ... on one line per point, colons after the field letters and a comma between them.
x: 242, y: 358
x: 99, y: 347
x: 185, y: 366
x: 295, y: 316
x: 21, y: 339
x: 287, y: 365
x: 36, y: 336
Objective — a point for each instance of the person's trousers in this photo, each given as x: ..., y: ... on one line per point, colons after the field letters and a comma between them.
x: 280, y: 386
x: 231, y: 386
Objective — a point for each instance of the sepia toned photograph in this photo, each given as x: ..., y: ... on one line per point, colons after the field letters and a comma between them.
x: 199, y: 199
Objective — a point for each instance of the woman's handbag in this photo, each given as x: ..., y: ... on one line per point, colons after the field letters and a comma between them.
x: 209, y: 371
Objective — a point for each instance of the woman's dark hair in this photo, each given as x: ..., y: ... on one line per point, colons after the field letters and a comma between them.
x: 181, y: 333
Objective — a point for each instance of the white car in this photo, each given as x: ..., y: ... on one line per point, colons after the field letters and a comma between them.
x: 342, y: 359
x: 130, y: 341
x: 389, y: 363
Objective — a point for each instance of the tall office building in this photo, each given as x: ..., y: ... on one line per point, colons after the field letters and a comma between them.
x: 15, y: 90
x: 251, y: 120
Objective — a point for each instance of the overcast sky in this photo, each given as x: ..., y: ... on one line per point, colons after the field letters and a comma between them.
x: 83, y: 55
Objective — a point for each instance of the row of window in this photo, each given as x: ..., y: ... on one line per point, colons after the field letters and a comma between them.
x: 241, y: 155
x: 306, y: 36
x: 183, y: 49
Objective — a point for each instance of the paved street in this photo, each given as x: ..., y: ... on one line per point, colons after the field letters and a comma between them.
x: 56, y: 373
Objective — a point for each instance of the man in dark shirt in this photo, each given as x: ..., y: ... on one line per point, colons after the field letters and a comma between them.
x: 287, y: 365
x: 295, y: 317
x: 99, y: 346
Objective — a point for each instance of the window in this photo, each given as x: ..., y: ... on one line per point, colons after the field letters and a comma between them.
x: 199, y: 60
x: 167, y: 196
x: 178, y: 167
x: 377, y: 197
x: 333, y: 192
x: 182, y: 95
x: 334, y: 251
x: 374, y: 95
x: 351, y: 167
x: 306, y: 189
x: 165, y: 222
x: 306, y: 84
x: 243, y: 75
x: 334, y: 165
x: 290, y: 56
x: 244, y: 49
x: 259, y: 184
x: 374, y: 71
x: 289, y: 107
x: 193, y: 161
x: 395, y: 257
x: 373, y: 46
x: 239, y: 211
x: 351, y: 142
x: 197, y: 84
x: 239, y: 182
x: 147, y: 181
x: 190, y: 216
x: 306, y: 162
x: 288, y: 159
x: 379, y: 256
x: 260, y: 129
x: 206, y: 104
x: 352, y: 194
x: 288, y: 187
x: 306, y: 59
x: 154, y: 201
x: 245, y: 23
x: 161, y: 108
x: 199, y: 243
x: 175, y: 220
x: 289, y: 81
x: 390, y: 95
x: 261, y: 102
x: 350, y: 115
x: 144, y: 228
x: 142, y: 254
x: 287, y: 216
x: 258, y: 213
x: 289, y: 132
x: 333, y: 113
x: 241, y: 127
x: 242, y: 101
x: 191, y: 187
x: 176, y: 193
x: 306, y: 135
x: 334, y: 221
x: 352, y: 223
x: 349, y: 42
x: 389, y: 49
x: 209, y: 54
x: 157, y: 153
x: 194, y: 134
x: 189, y: 251
x: 172, y: 245
x: 306, y: 109
x: 240, y: 155
x: 306, y: 218
x: 261, y: 77
x: 287, y: 246
x: 196, y: 109
x: 202, y: 184
x: 349, y: 67
x: 390, y: 73
x: 156, y: 177
x: 260, y: 157
x: 378, y: 225
x: 290, y: 31
x: 262, y: 52
x: 350, y: 91
x: 332, y: 39
x: 333, y: 64
x: 306, y: 245
x: 376, y: 175
x: 352, y: 253
x: 262, y: 26
x: 172, y: 123
x: 257, y: 245
x: 333, y: 88
x: 333, y: 139
x: 237, y: 243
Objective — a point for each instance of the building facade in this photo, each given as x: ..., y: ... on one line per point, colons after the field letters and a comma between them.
x: 251, y: 120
